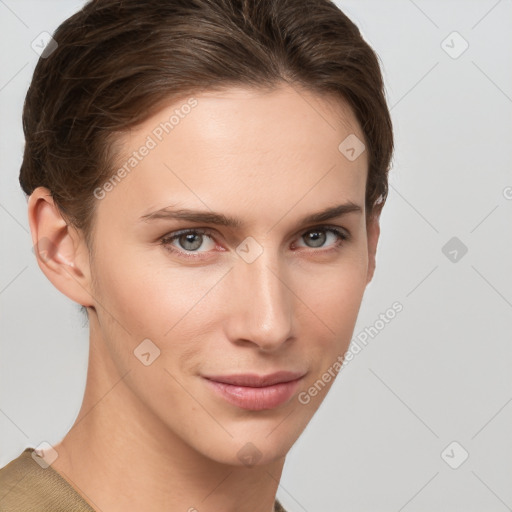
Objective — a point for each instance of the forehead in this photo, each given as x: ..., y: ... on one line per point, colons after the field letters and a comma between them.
x: 263, y: 143
x: 250, y: 119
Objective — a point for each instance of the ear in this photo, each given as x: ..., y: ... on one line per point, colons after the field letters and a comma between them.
x: 373, y: 232
x: 60, y: 250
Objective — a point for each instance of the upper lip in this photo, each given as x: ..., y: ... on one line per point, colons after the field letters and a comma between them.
x: 254, y: 380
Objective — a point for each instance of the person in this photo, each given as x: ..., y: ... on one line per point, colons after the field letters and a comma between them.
x: 205, y: 179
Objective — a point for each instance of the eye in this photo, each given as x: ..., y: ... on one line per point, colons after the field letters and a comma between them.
x: 188, y: 241
x: 317, y: 236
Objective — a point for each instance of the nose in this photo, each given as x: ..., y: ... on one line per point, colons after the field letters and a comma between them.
x: 260, y: 304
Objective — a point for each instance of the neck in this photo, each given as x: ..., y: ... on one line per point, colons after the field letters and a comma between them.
x: 120, y: 457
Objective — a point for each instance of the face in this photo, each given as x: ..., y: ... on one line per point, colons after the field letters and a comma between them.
x: 217, y: 305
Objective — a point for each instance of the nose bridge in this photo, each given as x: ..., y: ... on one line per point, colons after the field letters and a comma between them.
x: 264, y: 302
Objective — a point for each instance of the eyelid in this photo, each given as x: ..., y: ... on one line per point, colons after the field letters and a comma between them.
x: 174, y: 235
x: 343, y: 237
x: 335, y: 227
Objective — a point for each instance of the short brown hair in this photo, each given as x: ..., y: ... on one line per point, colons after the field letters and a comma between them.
x: 117, y: 61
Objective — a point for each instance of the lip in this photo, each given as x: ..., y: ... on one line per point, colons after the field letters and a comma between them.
x: 255, y: 392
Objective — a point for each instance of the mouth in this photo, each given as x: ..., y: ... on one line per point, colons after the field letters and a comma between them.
x: 254, y: 392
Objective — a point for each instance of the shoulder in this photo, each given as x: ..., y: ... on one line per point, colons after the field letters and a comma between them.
x: 278, y: 507
x: 26, y: 485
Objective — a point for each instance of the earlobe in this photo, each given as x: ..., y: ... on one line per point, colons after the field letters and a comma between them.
x: 373, y: 233
x: 60, y: 251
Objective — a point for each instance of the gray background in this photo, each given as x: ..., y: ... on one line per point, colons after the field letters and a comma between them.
x: 439, y: 372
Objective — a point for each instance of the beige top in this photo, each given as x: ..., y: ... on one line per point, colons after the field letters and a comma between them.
x: 27, y: 487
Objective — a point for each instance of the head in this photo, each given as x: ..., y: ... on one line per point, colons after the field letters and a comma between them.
x: 257, y: 115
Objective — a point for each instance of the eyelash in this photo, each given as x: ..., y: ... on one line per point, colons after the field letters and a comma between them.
x: 168, y: 239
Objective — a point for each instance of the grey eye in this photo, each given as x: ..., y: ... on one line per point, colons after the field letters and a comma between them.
x: 191, y: 241
x: 316, y: 237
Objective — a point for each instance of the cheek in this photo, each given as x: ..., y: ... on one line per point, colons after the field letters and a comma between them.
x: 332, y: 298
x: 334, y: 291
x: 151, y: 296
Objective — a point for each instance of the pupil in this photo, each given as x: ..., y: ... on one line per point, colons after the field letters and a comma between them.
x: 189, y: 238
x: 317, y: 237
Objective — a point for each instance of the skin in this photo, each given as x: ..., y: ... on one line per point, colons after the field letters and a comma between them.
x: 156, y: 437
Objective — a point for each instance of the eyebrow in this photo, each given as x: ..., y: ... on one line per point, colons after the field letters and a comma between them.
x: 232, y: 222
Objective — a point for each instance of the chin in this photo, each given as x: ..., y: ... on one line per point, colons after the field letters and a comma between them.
x: 256, y: 444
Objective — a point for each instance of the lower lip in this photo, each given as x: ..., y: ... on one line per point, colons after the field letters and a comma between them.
x: 256, y: 399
